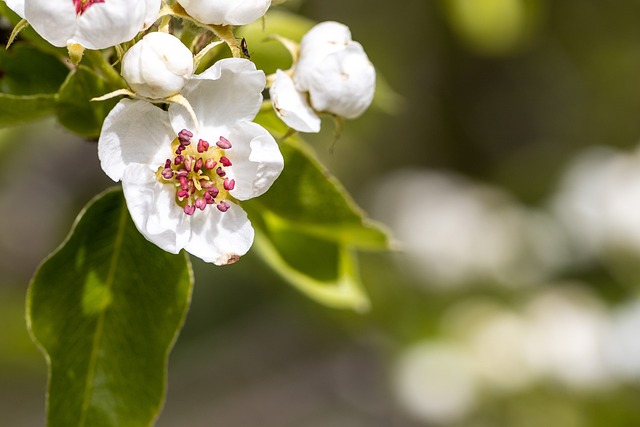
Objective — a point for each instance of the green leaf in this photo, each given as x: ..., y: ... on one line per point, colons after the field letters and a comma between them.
x: 308, y: 227
x: 29, y: 80
x: 105, y: 309
x: 325, y: 271
x: 25, y: 70
x: 75, y: 110
x: 310, y: 200
x: 16, y: 109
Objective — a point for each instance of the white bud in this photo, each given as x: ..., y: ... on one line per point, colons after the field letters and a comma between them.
x: 335, y: 71
x: 291, y: 106
x: 158, y: 66
x: 226, y: 12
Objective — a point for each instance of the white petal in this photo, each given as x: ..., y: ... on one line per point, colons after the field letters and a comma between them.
x: 220, y: 237
x: 256, y: 158
x: 291, y: 105
x: 54, y: 20
x: 107, y: 24
x: 17, y: 6
x: 227, y: 92
x: 321, y: 40
x: 153, y: 208
x: 158, y: 66
x: 152, y: 11
x: 226, y: 12
x: 134, y: 132
x: 343, y: 83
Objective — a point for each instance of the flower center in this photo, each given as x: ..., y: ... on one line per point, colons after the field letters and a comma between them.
x: 83, y: 5
x: 197, y: 171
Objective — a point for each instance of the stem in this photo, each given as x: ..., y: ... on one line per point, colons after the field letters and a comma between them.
x: 100, y: 63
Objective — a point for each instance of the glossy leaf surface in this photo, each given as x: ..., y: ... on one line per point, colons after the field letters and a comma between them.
x: 105, y: 309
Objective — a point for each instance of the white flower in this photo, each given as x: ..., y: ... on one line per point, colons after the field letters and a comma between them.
x: 598, y: 202
x: 457, y: 232
x: 158, y: 66
x: 181, y: 179
x: 17, y: 6
x: 435, y: 382
x: 226, y: 12
x: 333, y: 75
x: 93, y: 24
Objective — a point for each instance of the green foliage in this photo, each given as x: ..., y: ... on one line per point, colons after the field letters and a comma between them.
x: 15, y: 109
x: 29, y: 80
x: 105, y: 309
x: 75, y: 110
x: 308, y: 227
x: 28, y: 71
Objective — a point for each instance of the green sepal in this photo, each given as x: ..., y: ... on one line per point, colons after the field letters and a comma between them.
x: 105, y: 309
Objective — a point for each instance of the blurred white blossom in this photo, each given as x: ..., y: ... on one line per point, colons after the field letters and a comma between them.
x: 623, y: 343
x: 567, y: 330
x: 435, y: 382
x: 456, y: 232
x: 598, y: 202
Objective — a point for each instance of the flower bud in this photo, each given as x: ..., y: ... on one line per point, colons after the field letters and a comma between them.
x: 158, y: 66
x: 226, y: 12
x: 335, y: 71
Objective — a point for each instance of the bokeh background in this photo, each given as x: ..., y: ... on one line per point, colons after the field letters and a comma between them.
x: 501, y: 152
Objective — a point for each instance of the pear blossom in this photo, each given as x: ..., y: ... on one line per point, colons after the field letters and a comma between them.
x: 332, y: 75
x: 226, y: 12
x: 158, y: 66
x: 93, y: 24
x: 182, y: 179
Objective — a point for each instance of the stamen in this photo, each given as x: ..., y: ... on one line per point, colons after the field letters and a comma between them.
x: 202, y: 146
x: 184, y: 182
x: 201, y: 203
x: 184, y: 136
x: 223, y: 206
x: 223, y: 143
x: 188, y: 163
x: 167, y: 173
x: 229, y: 184
x: 197, y: 174
x: 210, y: 163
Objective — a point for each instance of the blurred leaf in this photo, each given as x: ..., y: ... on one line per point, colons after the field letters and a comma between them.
x: 75, y: 110
x: 267, y: 53
x: 29, y: 80
x: 105, y: 309
x: 16, y: 109
x: 24, y: 70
